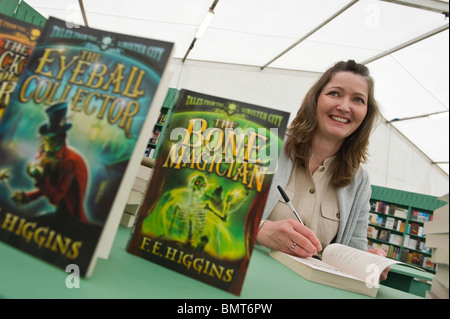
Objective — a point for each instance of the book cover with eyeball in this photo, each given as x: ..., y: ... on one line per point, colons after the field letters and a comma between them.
x: 72, y: 139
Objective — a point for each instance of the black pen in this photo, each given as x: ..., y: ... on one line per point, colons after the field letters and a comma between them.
x: 288, y: 201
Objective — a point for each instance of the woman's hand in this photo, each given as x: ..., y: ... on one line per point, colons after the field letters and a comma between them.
x: 289, y: 236
x: 380, y: 252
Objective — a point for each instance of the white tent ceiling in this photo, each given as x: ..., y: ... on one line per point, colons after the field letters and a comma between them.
x: 404, y: 43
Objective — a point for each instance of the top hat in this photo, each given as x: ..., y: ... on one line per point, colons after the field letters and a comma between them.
x: 57, y: 120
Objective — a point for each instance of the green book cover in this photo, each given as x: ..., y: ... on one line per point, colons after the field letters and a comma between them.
x: 209, y: 187
x: 72, y: 138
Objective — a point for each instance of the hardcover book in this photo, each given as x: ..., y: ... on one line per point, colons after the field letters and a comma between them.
x: 209, y: 187
x: 17, y: 40
x: 72, y: 139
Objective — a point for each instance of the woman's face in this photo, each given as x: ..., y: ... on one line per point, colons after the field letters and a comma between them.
x: 342, y: 106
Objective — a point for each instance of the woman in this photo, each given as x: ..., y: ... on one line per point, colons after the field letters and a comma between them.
x: 320, y: 167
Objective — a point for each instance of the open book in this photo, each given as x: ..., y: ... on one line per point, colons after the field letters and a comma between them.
x: 342, y: 267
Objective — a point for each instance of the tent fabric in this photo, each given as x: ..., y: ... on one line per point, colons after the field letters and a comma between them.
x: 292, y: 42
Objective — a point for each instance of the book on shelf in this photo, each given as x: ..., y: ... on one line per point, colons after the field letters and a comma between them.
x: 400, y: 225
x: 161, y: 118
x: 428, y: 263
x: 411, y: 242
x: 390, y: 221
x: 381, y: 207
x: 72, y: 138
x: 414, y: 229
x: 384, y: 235
x: 372, y: 232
x: 17, y: 40
x: 395, y: 239
x: 389, y: 209
x: 379, y: 220
x: 149, y: 152
x: 373, y: 218
x: 155, y: 136
x: 392, y: 251
x: 211, y: 179
x: 341, y: 267
x: 400, y: 212
x: 419, y: 216
x: 413, y: 257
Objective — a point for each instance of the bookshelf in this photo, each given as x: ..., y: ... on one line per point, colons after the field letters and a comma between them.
x: 396, y: 221
x: 161, y: 123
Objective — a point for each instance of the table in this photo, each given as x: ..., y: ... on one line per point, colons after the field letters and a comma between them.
x: 409, y: 279
x: 124, y: 276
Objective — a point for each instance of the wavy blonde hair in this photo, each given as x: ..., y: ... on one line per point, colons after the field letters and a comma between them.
x: 354, y: 149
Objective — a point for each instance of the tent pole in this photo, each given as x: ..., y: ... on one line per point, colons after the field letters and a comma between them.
x: 430, y: 5
x: 83, y: 12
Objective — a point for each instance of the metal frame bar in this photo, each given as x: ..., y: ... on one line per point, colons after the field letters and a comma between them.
x: 406, y: 44
x: 336, y: 14
x: 430, y: 5
x: 83, y: 12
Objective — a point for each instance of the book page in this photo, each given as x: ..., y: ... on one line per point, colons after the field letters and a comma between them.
x: 364, y: 265
x: 322, y: 266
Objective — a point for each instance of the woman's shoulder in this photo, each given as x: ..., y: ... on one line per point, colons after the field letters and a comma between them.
x: 362, y: 173
x: 360, y: 182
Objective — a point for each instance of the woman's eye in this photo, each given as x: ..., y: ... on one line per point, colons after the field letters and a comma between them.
x: 333, y: 93
x: 360, y: 100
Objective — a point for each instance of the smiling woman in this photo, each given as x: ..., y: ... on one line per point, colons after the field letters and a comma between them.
x: 320, y: 167
x: 349, y: 83
x: 341, y: 108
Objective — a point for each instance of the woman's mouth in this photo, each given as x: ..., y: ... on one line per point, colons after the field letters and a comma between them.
x: 339, y: 119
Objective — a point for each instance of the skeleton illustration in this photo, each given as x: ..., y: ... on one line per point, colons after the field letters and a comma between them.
x: 190, y: 207
x: 191, y: 213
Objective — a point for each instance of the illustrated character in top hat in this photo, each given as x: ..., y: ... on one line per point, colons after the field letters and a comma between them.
x: 61, y: 175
